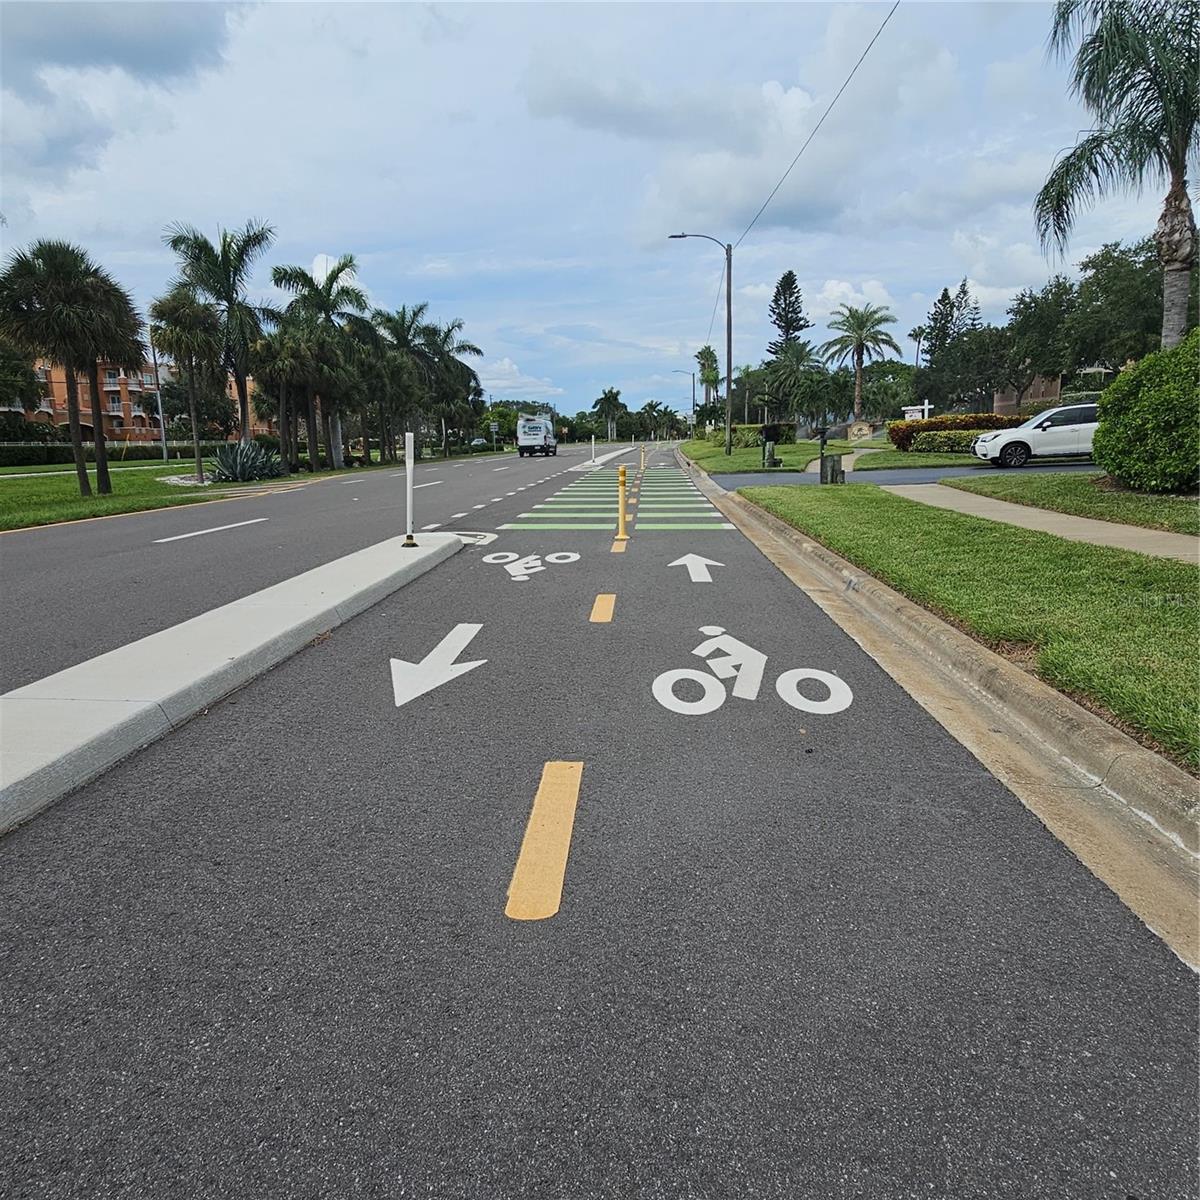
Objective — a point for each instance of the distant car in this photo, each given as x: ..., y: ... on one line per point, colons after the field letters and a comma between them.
x: 478, y: 442
x: 1065, y: 432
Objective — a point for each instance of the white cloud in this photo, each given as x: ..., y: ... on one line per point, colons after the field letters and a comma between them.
x: 507, y: 378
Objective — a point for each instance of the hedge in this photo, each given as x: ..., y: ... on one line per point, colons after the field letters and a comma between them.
x: 945, y: 441
x: 1149, y: 431
x: 36, y: 454
x: 901, y: 433
x: 14, y: 427
x: 746, y: 437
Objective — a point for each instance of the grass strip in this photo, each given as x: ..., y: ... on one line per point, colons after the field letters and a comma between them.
x: 795, y: 457
x: 1116, y: 630
x: 891, y: 460
x: 1089, y: 495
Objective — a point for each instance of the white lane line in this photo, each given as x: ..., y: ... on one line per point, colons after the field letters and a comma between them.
x: 215, y: 529
x: 495, y: 499
x: 431, y: 483
x: 455, y: 516
x: 477, y: 506
x: 499, y: 468
x: 435, y: 525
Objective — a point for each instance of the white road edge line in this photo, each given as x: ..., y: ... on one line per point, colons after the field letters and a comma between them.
x: 215, y: 529
x: 435, y: 525
x: 431, y: 483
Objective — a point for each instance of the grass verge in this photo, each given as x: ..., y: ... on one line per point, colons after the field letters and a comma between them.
x: 891, y: 460
x: 1117, y: 631
x: 1090, y: 495
x: 795, y: 457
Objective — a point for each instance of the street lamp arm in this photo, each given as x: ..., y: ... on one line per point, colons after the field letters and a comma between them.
x: 699, y: 235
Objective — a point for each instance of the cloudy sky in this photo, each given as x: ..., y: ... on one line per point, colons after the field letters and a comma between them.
x: 520, y: 166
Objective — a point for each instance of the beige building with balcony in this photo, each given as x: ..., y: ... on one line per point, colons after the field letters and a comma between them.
x: 128, y: 402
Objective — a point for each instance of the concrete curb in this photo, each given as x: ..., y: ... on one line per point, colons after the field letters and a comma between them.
x: 1144, y: 782
x: 64, y: 730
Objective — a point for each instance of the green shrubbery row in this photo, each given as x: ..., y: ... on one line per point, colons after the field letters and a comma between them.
x: 38, y: 454
x: 746, y: 437
x: 1149, y: 431
x: 16, y: 428
x: 945, y: 441
x: 902, y: 433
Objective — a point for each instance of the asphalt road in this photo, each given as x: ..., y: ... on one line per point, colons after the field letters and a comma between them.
x: 798, y: 954
x: 900, y: 475
x: 87, y: 587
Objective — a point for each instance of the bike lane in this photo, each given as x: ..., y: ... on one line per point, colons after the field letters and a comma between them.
x: 796, y: 953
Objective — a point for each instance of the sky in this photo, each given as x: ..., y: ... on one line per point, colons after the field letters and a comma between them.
x: 520, y: 166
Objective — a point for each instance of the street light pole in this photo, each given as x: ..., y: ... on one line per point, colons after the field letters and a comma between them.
x: 728, y: 248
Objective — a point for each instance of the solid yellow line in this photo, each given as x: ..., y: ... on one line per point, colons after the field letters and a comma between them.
x: 536, y: 889
x: 619, y: 547
x: 602, y: 610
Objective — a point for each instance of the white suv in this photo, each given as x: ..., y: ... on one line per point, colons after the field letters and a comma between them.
x: 1055, y: 433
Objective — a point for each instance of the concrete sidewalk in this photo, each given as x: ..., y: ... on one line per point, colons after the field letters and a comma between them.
x: 1074, y: 529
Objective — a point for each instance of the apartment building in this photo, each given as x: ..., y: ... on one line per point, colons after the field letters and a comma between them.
x: 129, y: 401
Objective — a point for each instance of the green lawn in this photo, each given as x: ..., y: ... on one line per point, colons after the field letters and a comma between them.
x: 174, y: 465
x: 795, y: 457
x: 1082, y: 496
x: 46, y: 499
x: 890, y: 460
x: 1117, y: 629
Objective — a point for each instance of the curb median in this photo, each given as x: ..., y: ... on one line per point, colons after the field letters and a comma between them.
x: 63, y: 731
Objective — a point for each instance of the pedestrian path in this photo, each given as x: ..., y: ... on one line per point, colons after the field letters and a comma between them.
x: 662, y: 498
x: 668, y: 500
x: 1075, y: 529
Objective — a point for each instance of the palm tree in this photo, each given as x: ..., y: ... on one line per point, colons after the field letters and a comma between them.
x: 282, y: 362
x: 1137, y: 69
x: 860, y: 336
x: 329, y: 306
x: 455, y: 385
x: 189, y: 330
x: 117, y: 339
x: 56, y: 303
x: 791, y: 381
x: 220, y: 273
x: 916, y: 334
x: 652, y: 413
x: 609, y: 408
x: 709, y: 372
x: 406, y: 364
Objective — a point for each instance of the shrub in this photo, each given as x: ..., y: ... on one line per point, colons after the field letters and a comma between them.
x: 14, y: 427
x: 901, y: 433
x: 945, y: 441
x: 267, y: 441
x: 240, y: 462
x: 1149, y: 431
x: 1080, y: 397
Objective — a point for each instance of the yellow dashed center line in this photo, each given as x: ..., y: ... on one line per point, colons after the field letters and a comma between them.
x: 602, y: 610
x: 535, y: 892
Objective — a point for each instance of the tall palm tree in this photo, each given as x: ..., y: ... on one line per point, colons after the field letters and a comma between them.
x: 55, y: 302
x: 406, y: 365
x: 609, y: 407
x: 709, y: 372
x: 117, y: 340
x: 861, y: 335
x: 1137, y: 70
x: 328, y: 307
x: 220, y: 273
x: 454, y: 382
x: 917, y: 334
x: 653, y: 413
x: 189, y: 330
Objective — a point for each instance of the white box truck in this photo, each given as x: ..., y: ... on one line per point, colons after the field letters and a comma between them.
x: 535, y: 435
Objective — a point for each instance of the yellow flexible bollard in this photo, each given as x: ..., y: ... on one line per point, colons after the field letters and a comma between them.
x: 622, y: 536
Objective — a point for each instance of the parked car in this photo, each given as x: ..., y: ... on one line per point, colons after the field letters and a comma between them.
x: 1065, y: 432
x: 477, y: 442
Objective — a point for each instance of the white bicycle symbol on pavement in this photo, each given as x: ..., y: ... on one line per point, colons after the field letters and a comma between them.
x: 745, y: 666
x: 521, y: 568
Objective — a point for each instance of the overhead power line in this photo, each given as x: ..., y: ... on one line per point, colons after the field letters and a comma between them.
x: 716, y: 301
x: 816, y: 127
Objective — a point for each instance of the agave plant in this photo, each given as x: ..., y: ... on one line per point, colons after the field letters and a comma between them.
x: 242, y: 462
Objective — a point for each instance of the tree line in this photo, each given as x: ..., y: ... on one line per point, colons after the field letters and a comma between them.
x: 319, y: 361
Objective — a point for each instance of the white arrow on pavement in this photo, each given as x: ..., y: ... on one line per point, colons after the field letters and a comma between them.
x: 697, y: 566
x: 413, y: 679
